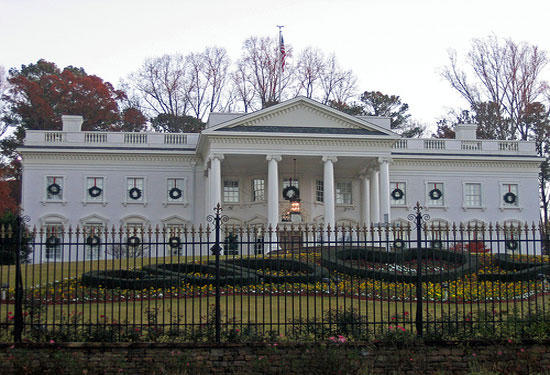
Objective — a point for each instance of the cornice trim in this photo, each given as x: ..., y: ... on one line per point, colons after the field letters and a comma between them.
x: 464, y: 163
x: 303, y: 141
x: 111, y: 157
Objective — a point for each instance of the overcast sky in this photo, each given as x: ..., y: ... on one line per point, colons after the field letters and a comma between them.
x: 394, y: 46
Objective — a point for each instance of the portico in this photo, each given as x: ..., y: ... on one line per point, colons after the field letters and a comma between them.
x: 332, y: 189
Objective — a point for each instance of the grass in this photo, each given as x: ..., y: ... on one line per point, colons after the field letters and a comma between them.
x: 42, y: 273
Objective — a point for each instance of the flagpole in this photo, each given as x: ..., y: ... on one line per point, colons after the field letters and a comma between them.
x: 280, y: 60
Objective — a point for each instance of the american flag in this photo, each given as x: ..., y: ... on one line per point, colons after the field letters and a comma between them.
x: 283, y: 52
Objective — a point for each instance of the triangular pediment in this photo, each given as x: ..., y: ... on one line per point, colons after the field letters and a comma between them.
x: 300, y: 115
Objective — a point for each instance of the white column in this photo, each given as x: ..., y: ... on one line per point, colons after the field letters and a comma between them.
x: 273, y: 190
x: 215, y: 178
x: 328, y: 186
x: 365, y: 200
x: 374, y: 196
x: 384, y: 189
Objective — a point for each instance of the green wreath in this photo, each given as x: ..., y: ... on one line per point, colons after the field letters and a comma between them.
x: 134, y: 193
x: 93, y: 241
x: 510, y: 198
x: 94, y: 191
x: 397, y: 194
x: 511, y: 244
x: 174, y: 242
x: 133, y: 241
x: 398, y: 244
x: 52, y: 241
x: 54, y: 189
x: 291, y: 193
x: 435, y: 194
x: 175, y: 193
x: 437, y: 244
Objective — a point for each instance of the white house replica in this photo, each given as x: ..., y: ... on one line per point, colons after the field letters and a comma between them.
x: 297, y: 161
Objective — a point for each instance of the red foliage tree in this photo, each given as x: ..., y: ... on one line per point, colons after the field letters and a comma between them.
x: 8, y: 202
x: 40, y: 93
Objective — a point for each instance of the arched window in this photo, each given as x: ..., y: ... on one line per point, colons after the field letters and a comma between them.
x: 53, y: 234
x: 401, y: 229
x: 93, y: 233
x: 438, y: 232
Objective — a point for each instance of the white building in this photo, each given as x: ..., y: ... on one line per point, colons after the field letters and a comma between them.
x: 347, y: 170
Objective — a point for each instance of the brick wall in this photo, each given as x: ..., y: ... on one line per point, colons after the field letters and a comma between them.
x: 282, y: 358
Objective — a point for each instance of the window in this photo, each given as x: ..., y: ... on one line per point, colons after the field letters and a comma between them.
x: 174, y: 233
x: 93, y: 233
x: 53, y: 240
x: 94, y: 189
x: 175, y: 190
x: 435, y: 194
x: 231, y: 191
x: 509, y: 195
x: 512, y: 234
x: 289, y: 181
x: 258, y: 190
x: 398, y: 193
x: 134, y: 237
x: 134, y: 189
x: 320, y: 191
x: 401, y: 229
x: 437, y: 230
x: 472, y: 195
x: 54, y: 188
x: 343, y: 193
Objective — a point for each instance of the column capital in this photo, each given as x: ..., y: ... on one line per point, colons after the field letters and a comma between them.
x: 331, y: 158
x: 277, y: 158
x: 220, y: 157
x: 385, y: 159
x: 363, y: 177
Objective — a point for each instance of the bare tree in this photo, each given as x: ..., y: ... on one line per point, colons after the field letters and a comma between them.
x: 310, y: 68
x: 207, y: 76
x: 242, y: 89
x: 337, y: 84
x: 162, y: 83
x: 3, y: 88
x: 507, y: 75
x: 505, y: 89
x: 260, y: 64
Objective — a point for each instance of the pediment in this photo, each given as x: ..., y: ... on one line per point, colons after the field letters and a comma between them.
x: 301, y: 115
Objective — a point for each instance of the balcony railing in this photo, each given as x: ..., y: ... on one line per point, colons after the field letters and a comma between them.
x: 465, y: 146
x: 114, y: 139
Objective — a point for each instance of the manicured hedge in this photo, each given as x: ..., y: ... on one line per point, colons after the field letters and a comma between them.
x: 314, y: 272
x: 135, y: 280
x: 335, y: 260
x: 517, y: 270
x: 229, y: 274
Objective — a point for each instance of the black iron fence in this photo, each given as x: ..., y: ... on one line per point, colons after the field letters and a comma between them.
x: 220, y: 282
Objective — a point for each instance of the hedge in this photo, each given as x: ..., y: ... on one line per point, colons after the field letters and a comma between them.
x: 229, y: 274
x: 135, y: 280
x: 314, y: 272
x: 334, y: 260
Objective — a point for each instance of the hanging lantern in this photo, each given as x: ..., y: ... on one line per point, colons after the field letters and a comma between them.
x: 295, y: 207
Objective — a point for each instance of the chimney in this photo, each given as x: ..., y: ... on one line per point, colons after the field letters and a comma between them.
x: 72, y: 123
x: 466, y: 132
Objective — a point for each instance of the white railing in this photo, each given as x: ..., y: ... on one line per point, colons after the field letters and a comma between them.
x: 135, y: 138
x: 400, y: 144
x: 471, y: 145
x: 95, y: 137
x: 175, y: 139
x: 508, y: 146
x: 434, y: 144
x: 53, y: 137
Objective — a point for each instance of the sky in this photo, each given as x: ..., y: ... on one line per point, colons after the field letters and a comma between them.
x: 398, y: 47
